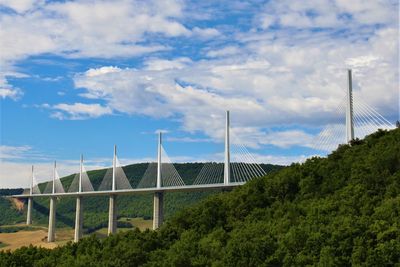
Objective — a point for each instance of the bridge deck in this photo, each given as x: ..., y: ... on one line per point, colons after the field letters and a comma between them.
x: 136, y: 190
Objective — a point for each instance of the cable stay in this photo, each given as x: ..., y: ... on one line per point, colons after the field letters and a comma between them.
x: 35, y: 187
x: 58, y: 187
x: 86, y: 184
x: 332, y: 134
x: 169, y: 174
x: 210, y: 173
x: 366, y: 120
x: 244, y: 166
x: 149, y: 178
x: 121, y: 181
x: 49, y: 188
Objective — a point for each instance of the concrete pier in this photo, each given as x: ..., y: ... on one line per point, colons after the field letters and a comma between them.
x: 78, y: 219
x: 112, y: 215
x: 52, y: 221
x: 29, y: 212
x: 30, y: 200
x: 158, y: 211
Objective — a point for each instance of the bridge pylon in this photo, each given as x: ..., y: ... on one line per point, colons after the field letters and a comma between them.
x: 158, y: 199
x: 349, y: 109
x: 112, y: 212
x: 52, y: 212
x: 227, y: 162
x: 29, y: 210
x: 79, y: 210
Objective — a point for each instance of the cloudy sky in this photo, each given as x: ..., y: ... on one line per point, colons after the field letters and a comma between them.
x: 79, y: 76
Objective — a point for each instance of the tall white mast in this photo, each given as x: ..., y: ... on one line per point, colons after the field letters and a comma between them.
x: 54, y: 177
x: 114, y: 168
x: 349, y: 109
x: 227, y: 172
x: 31, y: 191
x: 80, y: 174
x: 159, y: 160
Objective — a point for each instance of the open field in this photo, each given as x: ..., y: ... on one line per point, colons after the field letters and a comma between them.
x: 25, y: 238
x: 37, y: 235
x: 140, y: 223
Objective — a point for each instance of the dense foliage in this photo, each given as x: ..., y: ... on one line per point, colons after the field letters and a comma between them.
x: 337, y: 211
x: 9, y: 214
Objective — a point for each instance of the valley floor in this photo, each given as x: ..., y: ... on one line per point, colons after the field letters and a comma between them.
x: 12, y: 241
x: 37, y: 235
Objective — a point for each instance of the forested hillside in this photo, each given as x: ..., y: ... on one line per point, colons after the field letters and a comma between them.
x: 341, y: 210
x: 96, y: 208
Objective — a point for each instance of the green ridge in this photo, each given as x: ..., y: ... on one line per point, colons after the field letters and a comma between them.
x: 96, y: 208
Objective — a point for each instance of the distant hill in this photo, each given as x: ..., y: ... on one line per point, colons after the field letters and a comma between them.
x: 343, y: 210
x: 8, y: 192
x: 96, y: 208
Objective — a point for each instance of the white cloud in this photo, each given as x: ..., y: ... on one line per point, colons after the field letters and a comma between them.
x: 20, y: 6
x: 327, y: 14
x: 301, y: 84
x: 226, y: 51
x: 362, y: 61
x: 287, y: 139
x: 101, y: 71
x: 6, y: 89
x: 13, y: 152
x: 13, y: 93
x: 78, y: 111
x: 163, y: 131
x: 156, y: 64
x: 269, y: 83
x: 86, y: 28
x: 205, y: 33
x: 292, y: 74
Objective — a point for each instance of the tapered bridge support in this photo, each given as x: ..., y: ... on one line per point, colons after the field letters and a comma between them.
x: 30, y: 200
x: 112, y: 215
x: 29, y: 212
x: 52, y: 221
x: 78, y: 219
x: 158, y: 211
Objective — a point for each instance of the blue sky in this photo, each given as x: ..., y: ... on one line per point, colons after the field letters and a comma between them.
x: 79, y: 76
